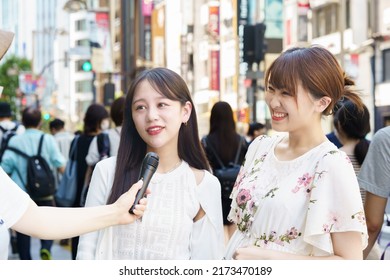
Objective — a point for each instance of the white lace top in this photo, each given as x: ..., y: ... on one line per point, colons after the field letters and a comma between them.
x: 167, y: 230
x: 293, y: 206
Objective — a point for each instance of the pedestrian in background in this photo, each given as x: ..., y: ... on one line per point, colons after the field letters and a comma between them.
x: 297, y: 196
x: 374, y: 177
x: 16, y: 165
x: 255, y: 129
x: 184, y: 215
x: 225, y: 143
x: 352, y: 127
x: 113, y: 134
x: 8, y: 127
x: 64, y: 139
x: 95, y: 120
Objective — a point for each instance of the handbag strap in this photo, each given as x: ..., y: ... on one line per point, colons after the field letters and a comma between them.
x: 40, y: 145
x: 238, y: 150
x: 218, y: 158
x: 73, y: 148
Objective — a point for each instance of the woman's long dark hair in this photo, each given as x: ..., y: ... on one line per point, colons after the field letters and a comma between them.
x: 223, y: 130
x: 132, y: 149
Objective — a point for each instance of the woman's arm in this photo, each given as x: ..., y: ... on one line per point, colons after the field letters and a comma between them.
x: 346, y: 246
x: 58, y: 223
x: 374, y: 208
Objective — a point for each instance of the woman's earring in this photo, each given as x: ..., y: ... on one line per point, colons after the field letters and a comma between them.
x: 185, y: 123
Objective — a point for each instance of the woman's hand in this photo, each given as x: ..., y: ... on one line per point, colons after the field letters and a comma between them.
x: 126, y: 200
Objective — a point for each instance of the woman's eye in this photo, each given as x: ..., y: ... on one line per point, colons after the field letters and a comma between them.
x: 139, y: 107
x: 286, y: 93
x: 162, y: 105
x: 270, y: 89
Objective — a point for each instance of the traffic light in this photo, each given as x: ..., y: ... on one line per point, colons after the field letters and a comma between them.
x: 46, y: 116
x: 86, y: 66
x: 254, y: 45
x: 108, y: 93
x: 260, y: 46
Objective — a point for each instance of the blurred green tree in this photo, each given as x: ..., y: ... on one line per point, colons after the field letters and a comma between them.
x: 9, y: 78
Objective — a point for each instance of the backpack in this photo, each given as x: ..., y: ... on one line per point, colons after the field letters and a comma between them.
x: 103, y: 145
x: 7, y: 135
x: 40, y: 179
x: 226, y: 174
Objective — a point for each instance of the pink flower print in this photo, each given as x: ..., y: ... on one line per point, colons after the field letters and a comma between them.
x: 305, y: 180
x: 243, y: 196
x: 348, y: 159
x: 333, y: 218
x: 292, y: 233
x: 325, y: 228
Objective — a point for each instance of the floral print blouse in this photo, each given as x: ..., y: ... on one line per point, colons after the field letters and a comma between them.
x: 293, y: 206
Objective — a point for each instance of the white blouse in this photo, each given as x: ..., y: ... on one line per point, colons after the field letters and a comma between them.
x: 293, y: 206
x: 167, y: 230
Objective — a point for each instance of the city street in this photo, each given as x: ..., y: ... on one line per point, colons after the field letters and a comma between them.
x: 58, y: 252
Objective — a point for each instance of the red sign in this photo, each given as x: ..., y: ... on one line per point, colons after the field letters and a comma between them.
x: 214, y: 70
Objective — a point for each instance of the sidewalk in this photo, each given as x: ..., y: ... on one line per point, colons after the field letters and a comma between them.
x: 58, y: 252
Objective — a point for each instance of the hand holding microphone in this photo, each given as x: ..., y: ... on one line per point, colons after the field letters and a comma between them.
x: 148, y: 168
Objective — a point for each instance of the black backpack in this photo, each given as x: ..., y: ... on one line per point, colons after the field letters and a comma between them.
x: 103, y: 145
x: 7, y: 135
x: 226, y: 175
x: 40, y: 178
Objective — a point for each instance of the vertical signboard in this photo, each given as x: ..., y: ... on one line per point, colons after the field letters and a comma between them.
x: 158, y: 35
x: 100, y: 42
x: 214, y: 70
x: 213, y: 28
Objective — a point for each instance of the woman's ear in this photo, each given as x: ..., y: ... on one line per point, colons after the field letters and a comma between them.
x: 187, y: 108
x: 323, y: 103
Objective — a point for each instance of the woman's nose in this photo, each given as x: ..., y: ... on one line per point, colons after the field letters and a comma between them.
x: 272, y: 100
x: 152, y: 114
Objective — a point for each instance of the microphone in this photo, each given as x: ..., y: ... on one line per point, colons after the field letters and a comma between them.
x: 148, y: 168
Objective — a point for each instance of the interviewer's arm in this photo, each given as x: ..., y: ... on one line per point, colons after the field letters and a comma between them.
x: 58, y: 223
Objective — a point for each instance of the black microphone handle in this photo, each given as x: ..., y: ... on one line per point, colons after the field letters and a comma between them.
x: 147, y: 175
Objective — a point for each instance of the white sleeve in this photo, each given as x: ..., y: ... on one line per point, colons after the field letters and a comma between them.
x: 97, y: 195
x: 93, y: 154
x: 13, y: 201
x: 207, y: 239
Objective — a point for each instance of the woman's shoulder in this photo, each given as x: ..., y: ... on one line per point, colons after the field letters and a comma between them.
x: 107, y: 164
x: 330, y: 155
x: 203, y: 176
x: 262, y: 142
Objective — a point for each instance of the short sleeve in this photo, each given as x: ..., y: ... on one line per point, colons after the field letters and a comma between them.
x: 13, y: 200
x: 93, y: 154
x: 374, y: 175
x: 335, y: 203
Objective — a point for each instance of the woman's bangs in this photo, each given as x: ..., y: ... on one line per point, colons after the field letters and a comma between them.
x: 283, y: 74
